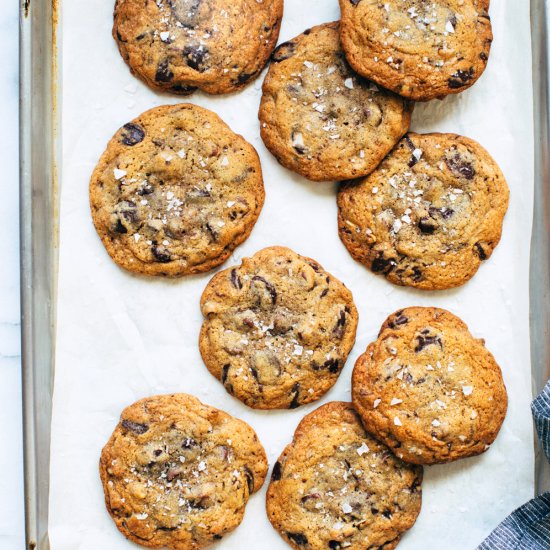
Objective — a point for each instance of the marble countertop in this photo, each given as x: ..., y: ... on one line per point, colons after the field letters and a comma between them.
x: 11, y: 457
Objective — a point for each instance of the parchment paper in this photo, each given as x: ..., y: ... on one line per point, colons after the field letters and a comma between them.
x: 122, y: 337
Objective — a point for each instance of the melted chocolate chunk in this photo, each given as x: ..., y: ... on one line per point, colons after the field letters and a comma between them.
x: 427, y: 226
x: 119, y: 228
x: 333, y: 365
x: 277, y: 472
x: 283, y: 51
x: 270, y: 288
x: 249, y: 479
x: 334, y: 545
x: 164, y: 74
x: 398, y: 321
x: 236, y: 280
x: 425, y: 341
x: 297, y: 538
x: 243, y: 78
x: 459, y: 167
x: 295, y: 400
x: 225, y: 372
x: 182, y: 89
x: 460, y: 78
x: 132, y: 134
x: 161, y: 254
x: 338, y: 330
x: 196, y: 56
x: 382, y: 264
x: 135, y: 427
x: 480, y: 252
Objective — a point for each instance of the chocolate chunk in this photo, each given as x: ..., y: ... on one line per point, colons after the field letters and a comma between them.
x: 297, y: 538
x: 225, y: 372
x: 283, y: 51
x: 128, y: 210
x: 161, y: 254
x: 270, y: 288
x: 277, y: 472
x: 235, y: 279
x: 324, y: 293
x: 398, y: 321
x: 461, y: 78
x: 295, y: 401
x: 413, y: 148
x: 196, y: 56
x: 135, y: 427
x: 119, y: 228
x: 218, y: 537
x: 243, y: 78
x: 387, y: 514
x: 249, y: 479
x: 382, y: 264
x: 212, y: 232
x: 167, y: 528
x: 415, y: 485
x: 164, y: 74
x: 425, y: 341
x: 338, y: 330
x: 183, y: 90
x: 188, y: 442
x: 132, y: 134
x: 416, y: 274
x: 374, y: 511
x: 480, y: 252
x: 355, y: 2
x: 333, y: 365
x: 334, y: 545
x: 460, y: 167
x: 427, y: 225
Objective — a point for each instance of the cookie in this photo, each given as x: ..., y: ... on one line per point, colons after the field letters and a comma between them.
x: 175, y: 192
x: 218, y: 46
x: 336, y: 487
x: 420, y: 50
x: 322, y: 120
x: 177, y: 473
x: 277, y: 329
x: 428, y: 389
x: 429, y: 215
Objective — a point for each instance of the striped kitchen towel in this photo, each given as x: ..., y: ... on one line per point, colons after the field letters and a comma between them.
x: 528, y: 528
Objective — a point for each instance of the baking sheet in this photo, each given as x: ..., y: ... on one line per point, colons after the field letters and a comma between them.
x: 122, y: 337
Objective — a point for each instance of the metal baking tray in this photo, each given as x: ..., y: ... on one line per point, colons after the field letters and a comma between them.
x: 39, y: 231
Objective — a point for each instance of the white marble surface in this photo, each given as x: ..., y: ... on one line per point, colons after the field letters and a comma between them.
x: 11, y: 457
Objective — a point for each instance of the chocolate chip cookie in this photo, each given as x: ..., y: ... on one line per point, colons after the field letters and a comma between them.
x: 428, y: 389
x: 180, y: 45
x: 277, y: 329
x: 336, y: 487
x: 175, y: 192
x: 428, y: 215
x: 420, y: 50
x: 321, y: 119
x: 177, y: 473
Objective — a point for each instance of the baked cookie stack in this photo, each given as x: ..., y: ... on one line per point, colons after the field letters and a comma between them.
x: 177, y: 191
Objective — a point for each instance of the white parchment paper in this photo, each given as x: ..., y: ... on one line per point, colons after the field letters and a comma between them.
x: 122, y: 337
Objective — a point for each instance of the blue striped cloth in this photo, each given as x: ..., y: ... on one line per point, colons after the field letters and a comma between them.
x: 528, y: 528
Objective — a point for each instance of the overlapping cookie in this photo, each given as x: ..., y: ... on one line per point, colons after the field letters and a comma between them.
x: 429, y: 215
x: 179, y: 46
x: 175, y: 192
x: 420, y: 50
x: 336, y: 487
x: 177, y: 473
x: 322, y: 120
x: 428, y: 389
x: 277, y: 329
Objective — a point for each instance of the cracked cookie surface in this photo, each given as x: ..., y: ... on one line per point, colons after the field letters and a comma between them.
x: 429, y: 215
x: 177, y: 473
x: 322, y: 120
x: 420, y: 50
x: 178, y: 46
x: 277, y: 329
x: 175, y: 192
x: 428, y: 389
x: 336, y: 487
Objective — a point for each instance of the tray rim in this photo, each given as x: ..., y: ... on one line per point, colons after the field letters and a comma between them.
x: 38, y: 244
